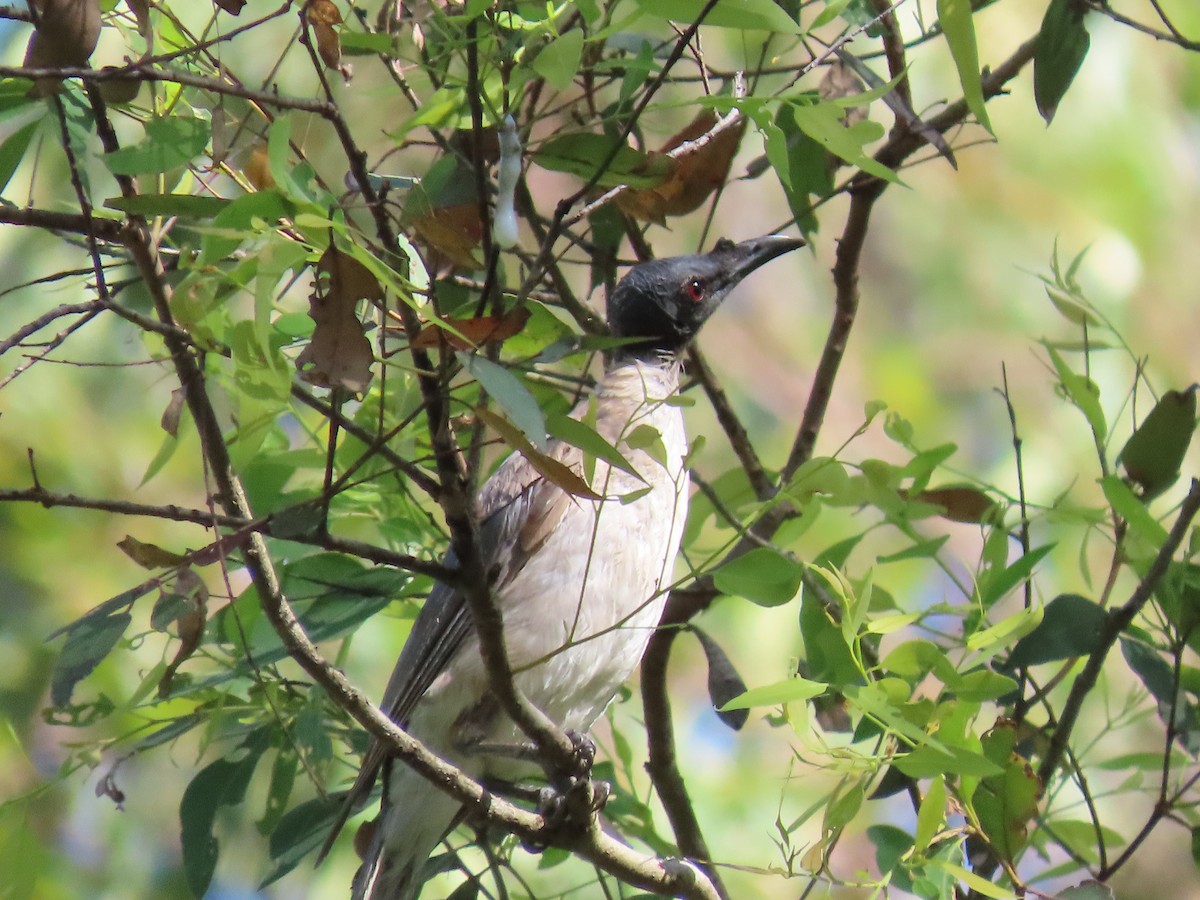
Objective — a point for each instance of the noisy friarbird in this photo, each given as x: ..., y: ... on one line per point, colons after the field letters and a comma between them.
x: 580, y: 583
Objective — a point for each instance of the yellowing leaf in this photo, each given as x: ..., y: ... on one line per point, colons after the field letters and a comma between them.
x: 453, y: 233
x: 549, y: 468
x: 149, y: 556
x: 258, y: 168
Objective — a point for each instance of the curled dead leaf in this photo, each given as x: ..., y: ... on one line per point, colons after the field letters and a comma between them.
x: 339, y: 355
x: 693, y: 177
x: 66, y: 35
x: 463, y: 334
x: 322, y: 16
x: 189, y: 625
x: 170, y: 416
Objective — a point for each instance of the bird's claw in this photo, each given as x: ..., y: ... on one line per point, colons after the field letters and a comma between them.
x: 583, y: 751
x: 571, y: 806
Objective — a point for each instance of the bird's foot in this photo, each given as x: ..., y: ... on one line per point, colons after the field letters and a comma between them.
x: 583, y: 750
x: 571, y: 808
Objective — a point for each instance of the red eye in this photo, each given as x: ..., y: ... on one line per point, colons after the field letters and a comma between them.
x: 695, y: 290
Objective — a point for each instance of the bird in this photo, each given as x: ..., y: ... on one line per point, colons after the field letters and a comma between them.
x: 580, y: 582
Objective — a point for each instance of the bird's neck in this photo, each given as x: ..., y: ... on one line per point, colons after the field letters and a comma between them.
x: 635, y: 377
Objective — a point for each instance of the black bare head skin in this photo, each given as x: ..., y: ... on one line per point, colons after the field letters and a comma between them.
x: 666, y: 301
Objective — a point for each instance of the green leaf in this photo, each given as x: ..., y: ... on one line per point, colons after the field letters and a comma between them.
x: 1133, y: 511
x: 558, y: 61
x: 981, y: 685
x: 973, y: 881
x: 648, y: 439
x: 587, y: 439
x: 221, y: 783
x: 12, y: 151
x: 743, y: 15
x: 514, y: 398
x: 892, y: 845
x: 955, y: 18
x: 927, y: 762
x: 1082, y: 392
x: 931, y: 815
x: 996, y: 637
x: 995, y: 585
x: 1155, y: 451
x: 283, y: 779
x: 168, y: 609
x: 833, y: 9
x: 1071, y: 626
x: 88, y: 641
x: 237, y: 222
x: 1062, y: 44
x: 800, y: 163
x: 189, y: 206
x: 829, y: 657
x: 762, y: 576
x: 790, y: 690
x: 1007, y: 802
x: 171, y: 142
x: 823, y: 123
x: 580, y: 154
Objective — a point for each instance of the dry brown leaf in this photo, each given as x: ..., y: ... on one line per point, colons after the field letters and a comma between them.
x: 149, y: 556
x: 339, y: 354
x: 693, y: 177
x: 474, y: 332
x: 959, y: 504
x: 322, y: 16
x: 258, y: 168
x: 66, y: 35
x: 453, y: 233
x: 170, y: 416
x: 189, y: 626
x: 233, y: 7
x: 548, y: 467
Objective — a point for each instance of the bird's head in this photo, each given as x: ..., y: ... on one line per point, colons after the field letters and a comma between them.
x: 666, y: 301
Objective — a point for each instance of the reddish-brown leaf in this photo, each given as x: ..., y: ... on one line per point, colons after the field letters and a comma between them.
x: 233, y: 7
x: 693, y: 177
x: 322, y: 16
x: 464, y: 334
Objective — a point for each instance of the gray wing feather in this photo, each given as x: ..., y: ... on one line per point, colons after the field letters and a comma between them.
x: 505, y: 505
